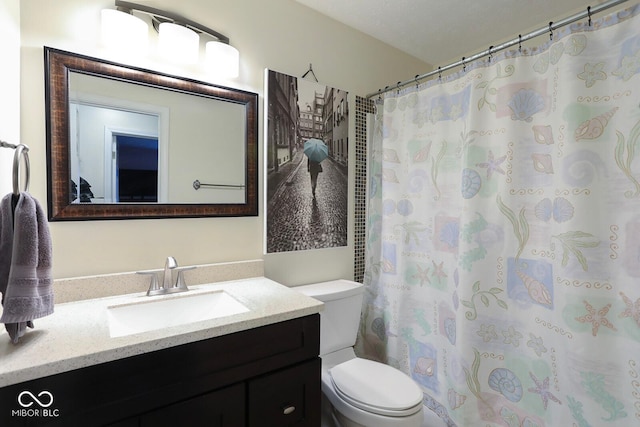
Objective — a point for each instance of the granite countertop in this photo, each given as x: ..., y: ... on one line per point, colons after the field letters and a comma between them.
x: 77, y: 334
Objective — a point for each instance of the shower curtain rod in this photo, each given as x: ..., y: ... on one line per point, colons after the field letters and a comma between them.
x: 516, y: 41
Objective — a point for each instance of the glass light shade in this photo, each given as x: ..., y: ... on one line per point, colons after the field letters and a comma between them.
x: 124, y: 31
x: 223, y: 59
x: 178, y: 43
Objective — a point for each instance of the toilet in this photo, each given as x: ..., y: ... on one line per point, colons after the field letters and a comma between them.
x: 358, y: 392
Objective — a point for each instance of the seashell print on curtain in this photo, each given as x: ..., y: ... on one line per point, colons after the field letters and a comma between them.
x: 503, y: 240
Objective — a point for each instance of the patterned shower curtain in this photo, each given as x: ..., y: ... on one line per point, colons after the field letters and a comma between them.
x: 503, y: 234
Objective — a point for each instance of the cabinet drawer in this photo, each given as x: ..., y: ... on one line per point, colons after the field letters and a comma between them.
x: 286, y: 398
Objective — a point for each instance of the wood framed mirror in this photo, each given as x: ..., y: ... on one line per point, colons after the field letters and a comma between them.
x: 127, y: 143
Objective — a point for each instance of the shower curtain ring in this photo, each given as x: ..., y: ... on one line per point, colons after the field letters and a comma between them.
x: 551, y: 30
x: 520, y: 43
x: 464, y: 65
x: 490, y: 48
x: 416, y: 80
x: 398, y: 87
x: 589, y: 14
x: 440, y: 73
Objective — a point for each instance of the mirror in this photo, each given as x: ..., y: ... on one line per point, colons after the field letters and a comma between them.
x: 124, y: 142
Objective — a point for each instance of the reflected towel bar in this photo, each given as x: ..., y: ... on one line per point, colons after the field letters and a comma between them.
x: 21, y: 151
x: 197, y: 184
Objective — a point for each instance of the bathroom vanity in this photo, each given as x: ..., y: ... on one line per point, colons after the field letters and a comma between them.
x: 256, y: 368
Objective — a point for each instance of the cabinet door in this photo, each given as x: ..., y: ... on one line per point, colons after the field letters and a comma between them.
x: 221, y: 408
x: 286, y: 398
x: 133, y: 422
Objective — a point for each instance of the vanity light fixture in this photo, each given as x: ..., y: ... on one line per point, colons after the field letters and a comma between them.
x: 179, y: 38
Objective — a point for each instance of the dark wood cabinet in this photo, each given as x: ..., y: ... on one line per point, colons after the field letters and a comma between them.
x: 286, y: 398
x: 266, y: 376
x: 133, y: 422
x: 221, y: 408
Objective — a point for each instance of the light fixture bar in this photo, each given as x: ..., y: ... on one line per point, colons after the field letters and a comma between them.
x: 168, y: 16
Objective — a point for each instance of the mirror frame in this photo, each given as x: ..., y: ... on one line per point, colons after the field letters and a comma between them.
x: 58, y: 64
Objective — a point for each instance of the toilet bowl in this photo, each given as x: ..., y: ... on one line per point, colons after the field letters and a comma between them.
x: 360, y: 392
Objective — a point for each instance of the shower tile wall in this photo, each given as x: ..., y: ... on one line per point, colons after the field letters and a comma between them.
x: 364, y: 106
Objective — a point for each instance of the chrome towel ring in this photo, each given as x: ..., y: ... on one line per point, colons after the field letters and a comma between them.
x: 22, y: 151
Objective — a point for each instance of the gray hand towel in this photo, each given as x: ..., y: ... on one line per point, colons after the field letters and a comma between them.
x: 25, y: 264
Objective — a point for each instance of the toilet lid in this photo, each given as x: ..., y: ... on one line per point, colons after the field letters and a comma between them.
x: 376, y: 387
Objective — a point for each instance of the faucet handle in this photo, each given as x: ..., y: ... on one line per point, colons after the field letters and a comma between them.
x: 154, y: 286
x: 180, y: 283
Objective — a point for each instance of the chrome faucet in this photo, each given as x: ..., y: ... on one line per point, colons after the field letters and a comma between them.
x: 167, y: 285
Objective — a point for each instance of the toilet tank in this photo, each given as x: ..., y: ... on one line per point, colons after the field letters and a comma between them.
x: 340, y: 317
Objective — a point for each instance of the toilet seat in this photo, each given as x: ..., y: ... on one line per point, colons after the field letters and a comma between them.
x: 376, y: 388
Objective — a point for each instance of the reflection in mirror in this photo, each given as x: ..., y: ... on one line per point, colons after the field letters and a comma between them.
x: 131, y: 143
x: 115, y: 154
x: 120, y: 135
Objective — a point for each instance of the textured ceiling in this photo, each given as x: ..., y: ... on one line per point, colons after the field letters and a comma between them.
x: 442, y: 31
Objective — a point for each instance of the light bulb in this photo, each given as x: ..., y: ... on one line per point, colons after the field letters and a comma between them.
x: 124, y: 32
x: 223, y: 59
x: 178, y: 43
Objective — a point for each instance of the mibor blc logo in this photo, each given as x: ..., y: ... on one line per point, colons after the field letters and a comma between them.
x: 35, y: 405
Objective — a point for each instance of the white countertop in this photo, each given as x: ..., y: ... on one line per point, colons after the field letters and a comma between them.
x: 76, y: 335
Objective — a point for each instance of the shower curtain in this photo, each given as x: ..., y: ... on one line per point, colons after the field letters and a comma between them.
x: 503, y: 233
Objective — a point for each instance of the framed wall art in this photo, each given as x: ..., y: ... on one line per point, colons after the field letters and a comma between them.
x: 306, y: 164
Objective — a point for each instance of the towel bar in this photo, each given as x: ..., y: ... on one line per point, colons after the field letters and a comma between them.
x: 197, y: 184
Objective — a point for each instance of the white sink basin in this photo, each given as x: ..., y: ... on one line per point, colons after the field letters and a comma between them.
x: 152, y: 313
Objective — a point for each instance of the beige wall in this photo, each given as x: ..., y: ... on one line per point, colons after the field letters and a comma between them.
x: 9, y: 89
x: 277, y: 34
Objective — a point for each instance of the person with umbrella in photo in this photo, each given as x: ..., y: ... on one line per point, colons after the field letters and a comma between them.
x: 316, y: 150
